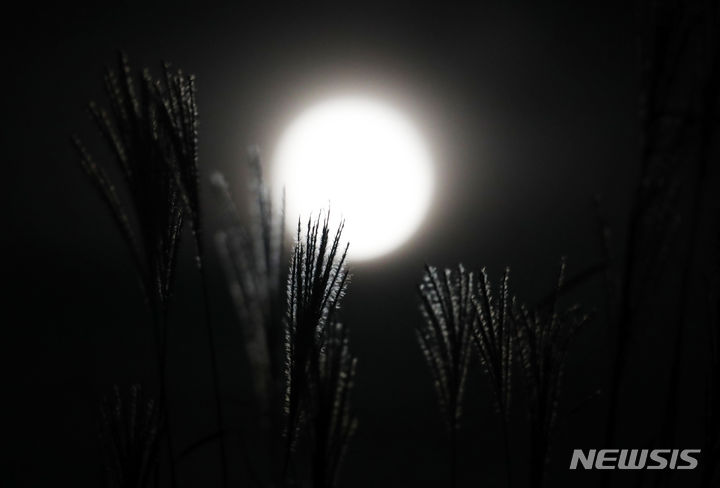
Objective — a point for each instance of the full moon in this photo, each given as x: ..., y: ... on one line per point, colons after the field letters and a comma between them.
x: 366, y: 162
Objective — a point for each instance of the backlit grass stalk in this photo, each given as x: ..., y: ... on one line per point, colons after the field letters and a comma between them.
x: 542, y: 341
x: 137, y: 139
x: 179, y: 115
x: 445, y: 337
x: 702, y: 194
x: 253, y: 259
x: 319, y: 368
x: 668, y: 40
x: 330, y: 420
x: 493, y: 337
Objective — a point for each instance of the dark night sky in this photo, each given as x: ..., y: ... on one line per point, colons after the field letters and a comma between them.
x: 531, y: 110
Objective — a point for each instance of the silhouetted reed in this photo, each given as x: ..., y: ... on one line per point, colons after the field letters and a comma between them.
x: 129, y: 435
x: 493, y: 337
x: 179, y: 113
x: 133, y: 131
x: 542, y: 340
x: 678, y: 121
x: 151, y: 131
x: 319, y: 368
x: 445, y: 338
x: 331, y: 423
x: 253, y: 258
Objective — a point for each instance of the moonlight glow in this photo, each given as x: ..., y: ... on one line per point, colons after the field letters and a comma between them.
x: 367, y: 162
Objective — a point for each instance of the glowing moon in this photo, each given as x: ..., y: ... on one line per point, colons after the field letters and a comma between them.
x: 367, y: 162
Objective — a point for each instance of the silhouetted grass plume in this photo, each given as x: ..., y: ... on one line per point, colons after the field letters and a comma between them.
x: 494, y: 341
x: 134, y: 133
x: 542, y: 341
x: 252, y: 254
x: 253, y: 259
x: 445, y: 338
x: 151, y: 131
x: 319, y: 367
x: 180, y: 116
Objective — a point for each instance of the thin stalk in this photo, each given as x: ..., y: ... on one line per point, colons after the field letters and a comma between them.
x: 162, y: 355
x: 506, y: 447
x: 214, y: 369
x: 453, y: 455
x: 625, y: 315
x: 708, y: 125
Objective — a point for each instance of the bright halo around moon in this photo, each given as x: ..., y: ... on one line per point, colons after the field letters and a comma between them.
x: 366, y: 162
